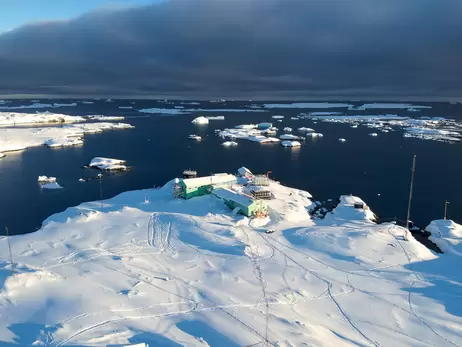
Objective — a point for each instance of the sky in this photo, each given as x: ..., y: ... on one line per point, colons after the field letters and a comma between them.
x: 233, y: 48
x: 19, y: 12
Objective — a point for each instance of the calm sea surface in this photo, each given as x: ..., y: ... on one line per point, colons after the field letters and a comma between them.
x: 374, y: 168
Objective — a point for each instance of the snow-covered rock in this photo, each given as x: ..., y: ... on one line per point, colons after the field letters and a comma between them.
x: 178, y: 272
x: 290, y: 144
x: 108, y: 164
x: 447, y: 235
x: 46, y: 179
x: 200, y: 120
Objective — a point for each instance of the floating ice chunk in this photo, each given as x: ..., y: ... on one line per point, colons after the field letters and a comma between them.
x: 52, y: 185
x: 354, y: 126
x: 87, y: 102
x: 108, y: 164
x: 314, y: 135
x: 2, y: 155
x: 290, y: 144
x: 229, y: 143
x: 373, y: 134
x: 277, y: 117
x: 46, y: 179
x: 200, y: 120
x: 412, y: 109
x: 289, y: 137
x: 125, y: 107
x: 82, y: 180
x: 294, y: 118
x: 287, y: 130
x: 304, y: 129
x: 65, y: 105
x: 387, y: 106
x: 195, y: 137
x: 64, y: 142
x: 341, y: 140
x: 432, y: 134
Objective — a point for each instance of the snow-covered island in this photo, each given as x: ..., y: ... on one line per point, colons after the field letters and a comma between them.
x: 108, y: 164
x: 224, y: 269
x: 14, y: 138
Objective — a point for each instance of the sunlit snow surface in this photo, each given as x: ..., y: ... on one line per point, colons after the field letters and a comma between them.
x: 142, y: 267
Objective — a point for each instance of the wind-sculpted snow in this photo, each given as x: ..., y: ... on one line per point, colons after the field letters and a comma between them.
x: 145, y: 268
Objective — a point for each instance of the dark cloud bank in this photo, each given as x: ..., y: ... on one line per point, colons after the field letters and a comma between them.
x: 243, y: 48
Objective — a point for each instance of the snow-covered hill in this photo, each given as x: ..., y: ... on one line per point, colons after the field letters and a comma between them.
x: 142, y: 267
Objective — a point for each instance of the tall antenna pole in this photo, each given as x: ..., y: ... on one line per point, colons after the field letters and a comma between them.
x: 445, y: 209
x: 9, y: 248
x: 410, y: 193
x: 101, y: 190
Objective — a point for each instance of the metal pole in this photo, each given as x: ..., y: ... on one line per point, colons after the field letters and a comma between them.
x: 410, y: 193
x: 101, y: 190
x: 9, y: 248
x: 445, y: 209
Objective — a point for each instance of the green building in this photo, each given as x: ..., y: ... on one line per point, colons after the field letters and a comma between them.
x: 245, y: 205
x: 191, y: 187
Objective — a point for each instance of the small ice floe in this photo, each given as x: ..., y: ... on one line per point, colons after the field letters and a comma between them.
x: 108, y: 164
x: 125, y: 107
x: 52, y: 185
x: 289, y: 137
x: 108, y: 100
x: 63, y: 142
x: 2, y: 155
x: 277, y: 117
x: 82, y: 180
x: 314, y: 135
x: 412, y: 109
x: 246, y: 126
x: 290, y: 144
x: 373, y: 134
x: 270, y: 131
x: 46, y: 179
x: 341, y: 140
x: 87, y: 102
x: 200, y: 120
x: 195, y: 137
x: 294, y: 118
x: 305, y: 130
x: 354, y: 126
x: 229, y: 144
x: 287, y: 130
x: 262, y: 139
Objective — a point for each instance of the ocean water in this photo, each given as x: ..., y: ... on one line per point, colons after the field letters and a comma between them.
x: 375, y: 168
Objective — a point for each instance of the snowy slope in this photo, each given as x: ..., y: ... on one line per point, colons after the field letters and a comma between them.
x: 146, y: 268
x: 447, y: 234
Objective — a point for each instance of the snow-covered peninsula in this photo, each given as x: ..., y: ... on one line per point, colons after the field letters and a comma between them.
x: 144, y: 267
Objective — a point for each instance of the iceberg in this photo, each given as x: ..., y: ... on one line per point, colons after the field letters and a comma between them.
x: 46, y: 179
x: 305, y: 130
x: 229, y: 143
x: 108, y: 164
x: 289, y: 137
x: 200, y: 120
x: 290, y: 144
x: 195, y: 137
